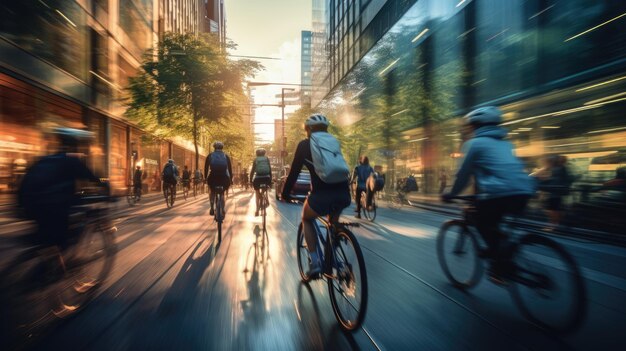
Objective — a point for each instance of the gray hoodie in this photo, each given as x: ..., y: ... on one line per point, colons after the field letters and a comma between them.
x: 496, y: 169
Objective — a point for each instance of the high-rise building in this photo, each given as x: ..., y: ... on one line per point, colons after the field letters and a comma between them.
x: 402, y: 72
x: 181, y: 16
x: 215, y: 18
x: 305, y: 67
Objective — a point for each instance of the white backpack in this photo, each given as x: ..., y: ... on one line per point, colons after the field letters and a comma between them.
x: 328, y: 160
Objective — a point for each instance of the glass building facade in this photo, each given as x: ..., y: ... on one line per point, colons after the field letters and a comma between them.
x: 556, y: 68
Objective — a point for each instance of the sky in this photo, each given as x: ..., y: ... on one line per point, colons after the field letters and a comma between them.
x: 269, y: 28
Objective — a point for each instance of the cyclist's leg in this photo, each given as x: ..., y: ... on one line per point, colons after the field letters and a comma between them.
x: 358, y: 200
x: 308, y: 217
x: 489, y: 214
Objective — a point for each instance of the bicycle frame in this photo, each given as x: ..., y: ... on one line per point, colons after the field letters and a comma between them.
x: 326, y: 243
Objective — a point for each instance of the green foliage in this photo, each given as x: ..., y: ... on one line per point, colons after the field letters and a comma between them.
x: 189, y: 86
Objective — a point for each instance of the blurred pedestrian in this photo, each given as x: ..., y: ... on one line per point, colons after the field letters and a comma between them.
x: 443, y: 181
x: 137, y: 178
x: 554, y: 181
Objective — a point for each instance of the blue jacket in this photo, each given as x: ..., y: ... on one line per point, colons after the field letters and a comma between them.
x: 496, y: 169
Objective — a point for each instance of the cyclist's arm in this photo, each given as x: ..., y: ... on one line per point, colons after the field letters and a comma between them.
x: 296, y: 166
x: 252, y: 171
x: 206, y: 165
x: 466, y: 169
x: 230, y: 168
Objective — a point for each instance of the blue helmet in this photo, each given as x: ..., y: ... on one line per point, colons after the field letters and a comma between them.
x: 489, y: 115
x: 316, y: 120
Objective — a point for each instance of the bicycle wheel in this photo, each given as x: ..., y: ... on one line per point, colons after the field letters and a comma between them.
x: 172, y: 196
x: 457, y: 251
x: 88, y: 263
x: 263, y: 208
x: 219, y: 216
x: 304, y: 260
x: 549, y: 288
x: 348, y: 287
x: 370, y: 214
x: 185, y: 193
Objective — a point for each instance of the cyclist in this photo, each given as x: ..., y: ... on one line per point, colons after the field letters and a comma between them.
x: 169, y: 175
x: 137, y: 178
x: 325, y: 198
x: 261, y: 173
x: 186, y: 179
x: 502, y: 185
x: 218, y: 170
x: 48, y: 190
x: 360, y: 175
x: 197, y: 178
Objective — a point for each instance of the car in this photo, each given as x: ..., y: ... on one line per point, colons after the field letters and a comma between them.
x: 300, y: 190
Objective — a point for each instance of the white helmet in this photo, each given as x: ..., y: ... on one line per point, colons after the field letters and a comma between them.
x: 316, y: 120
x: 218, y: 145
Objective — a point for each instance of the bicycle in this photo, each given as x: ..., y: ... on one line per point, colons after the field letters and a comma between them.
x: 45, y: 283
x: 219, y: 211
x: 264, y: 202
x: 368, y: 212
x: 342, y: 274
x: 532, y: 263
x: 397, y: 200
x: 185, y: 189
x: 169, y: 192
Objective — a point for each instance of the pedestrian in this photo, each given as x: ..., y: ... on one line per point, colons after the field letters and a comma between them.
x: 443, y: 181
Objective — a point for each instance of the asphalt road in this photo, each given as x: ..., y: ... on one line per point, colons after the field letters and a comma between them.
x: 173, y: 288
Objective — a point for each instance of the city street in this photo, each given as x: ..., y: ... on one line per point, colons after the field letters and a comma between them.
x: 174, y: 287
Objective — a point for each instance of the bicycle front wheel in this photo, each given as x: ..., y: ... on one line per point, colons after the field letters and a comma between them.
x: 348, y: 285
x: 304, y: 260
x: 549, y: 289
x: 457, y: 251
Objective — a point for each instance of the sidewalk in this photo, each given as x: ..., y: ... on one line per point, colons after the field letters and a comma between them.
x: 535, y: 220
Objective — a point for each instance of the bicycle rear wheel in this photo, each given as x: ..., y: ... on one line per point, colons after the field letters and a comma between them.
x: 167, y: 196
x: 304, y: 260
x: 549, y: 288
x: 457, y: 251
x: 370, y: 214
x: 348, y: 286
x: 172, y: 196
x: 219, y: 216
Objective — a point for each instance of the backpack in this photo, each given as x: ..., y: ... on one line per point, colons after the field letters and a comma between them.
x: 262, y: 166
x: 168, y: 173
x: 376, y: 182
x: 410, y: 184
x: 219, y: 164
x: 328, y: 160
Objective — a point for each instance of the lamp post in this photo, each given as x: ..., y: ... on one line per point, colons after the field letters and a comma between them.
x: 282, y: 119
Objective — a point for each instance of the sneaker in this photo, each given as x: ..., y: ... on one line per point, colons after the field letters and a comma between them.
x: 358, y: 215
x: 212, y: 212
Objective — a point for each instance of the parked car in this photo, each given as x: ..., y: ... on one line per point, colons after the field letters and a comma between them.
x: 300, y: 190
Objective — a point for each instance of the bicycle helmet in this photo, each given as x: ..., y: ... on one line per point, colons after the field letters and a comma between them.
x: 489, y: 115
x: 260, y: 152
x: 218, y: 145
x: 316, y: 120
x: 170, y: 161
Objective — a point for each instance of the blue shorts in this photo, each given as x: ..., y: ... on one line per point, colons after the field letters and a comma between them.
x: 325, y: 202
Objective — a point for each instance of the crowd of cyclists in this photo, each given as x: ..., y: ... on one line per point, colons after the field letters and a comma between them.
x: 48, y: 192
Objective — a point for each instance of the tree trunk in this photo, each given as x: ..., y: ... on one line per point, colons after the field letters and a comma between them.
x: 195, y: 138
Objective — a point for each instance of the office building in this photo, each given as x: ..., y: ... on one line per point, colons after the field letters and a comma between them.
x: 305, y: 67
x: 64, y: 64
x: 399, y: 74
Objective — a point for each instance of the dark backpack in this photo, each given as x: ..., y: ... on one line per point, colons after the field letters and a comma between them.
x: 410, y: 184
x: 168, y: 173
x: 219, y: 164
x: 376, y: 182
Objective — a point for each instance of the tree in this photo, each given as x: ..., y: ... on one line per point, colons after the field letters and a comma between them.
x: 191, y: 86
